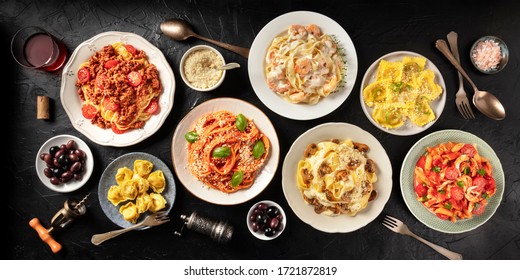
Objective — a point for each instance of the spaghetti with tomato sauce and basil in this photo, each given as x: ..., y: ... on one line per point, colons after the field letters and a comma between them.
x: 454, y: 181
x: 119, y: 88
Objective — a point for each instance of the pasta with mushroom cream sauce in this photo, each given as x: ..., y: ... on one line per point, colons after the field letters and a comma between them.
x: 336, y: 177
x: 303, y: 65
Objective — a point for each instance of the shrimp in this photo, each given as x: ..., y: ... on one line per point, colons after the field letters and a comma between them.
x: 313, y: 29
x: 299, y: 96
x: 303, y: 66
x: 278, y: 86
x: 330, y: 85
x: 297, y: 31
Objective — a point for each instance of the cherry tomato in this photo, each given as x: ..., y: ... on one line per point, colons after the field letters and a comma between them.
x: 88, y: 111
x: 480, y: 182
x: 117, y: 130
x: 110, y: 104
x: 421, y: 162
x: 83, y: 75
x: 421, y: 190
x: 100, y: 80
x: 457, y: 193
x: 111, y: 63
x: 134, y: 78
x: 468, y: 149
x: 152, y: 108
x: 479, y: 209
x: 131, y: 49
x: 451, y: 173
x: 442, y: 216
x: 491, y: 186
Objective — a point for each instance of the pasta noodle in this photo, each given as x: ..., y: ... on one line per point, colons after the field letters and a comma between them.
x: 454, y: 181
x: 119, y: 88
x: 139, y: 189
x: 304, y: 64
x: 226, y: 151
x: 336, y: 177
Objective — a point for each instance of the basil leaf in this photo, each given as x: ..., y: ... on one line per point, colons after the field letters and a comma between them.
x: 241, y: 122
x: 436, y: 169
x: 221, y: 152
x: 485, y: 195
x: 191, y: 136
x: 481, y: 172
x: 460, y: 184
x: 448, y: 205
x: 466, y: 170
x: 237, y: 178
x: 258, y: 149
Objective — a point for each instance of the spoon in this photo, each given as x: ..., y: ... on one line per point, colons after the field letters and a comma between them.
x: 485, y: 101
x: 228, y: 66
x: 180, y: 30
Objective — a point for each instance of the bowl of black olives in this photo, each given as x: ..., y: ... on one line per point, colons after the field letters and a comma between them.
x: 266, y: 220
x: 64, y: 163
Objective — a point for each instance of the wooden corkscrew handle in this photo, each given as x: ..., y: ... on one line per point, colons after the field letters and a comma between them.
x: 44, y: 235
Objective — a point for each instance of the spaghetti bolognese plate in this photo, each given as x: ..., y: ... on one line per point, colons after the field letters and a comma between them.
x: 72, y: 103
x: 180, y: 155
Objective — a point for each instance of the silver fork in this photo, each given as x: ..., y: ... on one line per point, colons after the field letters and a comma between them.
x: 461, y: 98
x: 397, y: 226
x: 155, y: 219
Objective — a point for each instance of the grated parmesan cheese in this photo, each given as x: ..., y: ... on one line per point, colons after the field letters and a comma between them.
x: 487, y: 55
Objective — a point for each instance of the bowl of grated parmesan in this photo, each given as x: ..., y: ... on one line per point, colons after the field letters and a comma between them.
x: 198, y: 68
x: 489, y: 54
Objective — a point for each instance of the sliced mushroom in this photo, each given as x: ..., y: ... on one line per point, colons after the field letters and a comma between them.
x: 353, y: 164
x: 324, y: 169
x: 360, y: 147
x: 307, y: 177
x: 310, y: 150
x: 341, y: 175
x: 370, y: 166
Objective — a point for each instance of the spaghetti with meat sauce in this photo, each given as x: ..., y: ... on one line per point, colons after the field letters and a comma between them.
x: 226, y: 151
x: 119, y: 88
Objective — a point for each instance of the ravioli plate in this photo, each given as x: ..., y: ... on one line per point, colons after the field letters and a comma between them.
x: 419, y: 210
x: 341, y: 223
x: 108, y: 179
x: 408, y: 128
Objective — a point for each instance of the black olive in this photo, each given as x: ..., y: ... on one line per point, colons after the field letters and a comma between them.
x: 272, y: 211
x: 53, y: 150
x: 63, y: 160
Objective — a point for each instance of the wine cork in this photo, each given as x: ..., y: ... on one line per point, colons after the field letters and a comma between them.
x: 42, y: 108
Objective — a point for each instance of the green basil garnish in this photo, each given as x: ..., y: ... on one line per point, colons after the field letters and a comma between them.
x: 481, y: 172
x: 448, y: 205
x: 191, y: 136
x: 485, y: 195
x: 258, y: 149
x: 221, y: 152
x: 241, y: 122
x: 436, y: 169
x: 237, y: 178
x: 466, y: 170
x: 460, y: 184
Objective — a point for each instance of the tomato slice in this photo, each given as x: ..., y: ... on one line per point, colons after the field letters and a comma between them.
x: 480, y: 182
x: 111, y: 63
x: 442, y: 216
x: 421, y: 190
x: 110, y: 104
x: 451, y: 173
x: 100, y: 80
x: 131, y: 49
x: 83, y: 75
x: 421, y: 162
x: 456, y: 193
x: 134, y: 78
x: 468, y: 149
x: 88, y: 111
x: 479, y: 209
x: 152, y: 108
x: 117, y: 130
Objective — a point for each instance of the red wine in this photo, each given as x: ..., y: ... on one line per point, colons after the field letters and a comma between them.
x: 41, y: 50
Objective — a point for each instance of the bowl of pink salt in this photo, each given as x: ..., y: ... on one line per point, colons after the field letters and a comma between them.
x: 489, y: 54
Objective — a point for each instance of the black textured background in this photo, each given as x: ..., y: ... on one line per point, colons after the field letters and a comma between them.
x: 376, y: 28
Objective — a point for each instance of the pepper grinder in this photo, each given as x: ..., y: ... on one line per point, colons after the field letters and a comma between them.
x: 220, y: 231
x: 72, y: 209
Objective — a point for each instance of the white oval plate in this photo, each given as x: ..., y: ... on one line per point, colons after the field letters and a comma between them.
x: 408, y: 128
x: 108, y: 179
x: 275, y: 102
x: 180, y: 160
x: 72, y: 103
x: 419, y: 210
x: 342, y: 223
x: 71, y: 185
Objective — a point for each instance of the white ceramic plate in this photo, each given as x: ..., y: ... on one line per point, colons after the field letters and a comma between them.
x: 71, y: 185
x: 342, y: 223
x: 180, y: 160
x: 419, y: 210
x: 72, y: 103
x: 256, y: 66
x: 108, y: 179
x: 408, y: 128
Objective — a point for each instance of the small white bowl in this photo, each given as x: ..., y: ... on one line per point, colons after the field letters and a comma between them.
x: 260, y: 234
x: 71, y: 185
x: 186, y: 56
x: 504, y: 54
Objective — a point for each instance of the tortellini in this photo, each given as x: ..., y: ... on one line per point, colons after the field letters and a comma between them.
x: 402, y: 90
x: 138, y: 190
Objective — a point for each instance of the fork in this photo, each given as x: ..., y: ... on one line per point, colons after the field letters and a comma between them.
x: 461, y: 98
x: 397, y: 226
x: 155, y: 219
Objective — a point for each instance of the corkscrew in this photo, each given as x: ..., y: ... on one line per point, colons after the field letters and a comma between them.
x: 220, y: 231
x: 72, y: 209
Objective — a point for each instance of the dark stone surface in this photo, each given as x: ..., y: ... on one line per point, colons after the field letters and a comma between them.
x: 376, y: 28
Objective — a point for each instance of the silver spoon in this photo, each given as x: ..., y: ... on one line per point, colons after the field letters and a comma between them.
x: 228, y: 66
x: 485, y: 101
x: 180, y: 30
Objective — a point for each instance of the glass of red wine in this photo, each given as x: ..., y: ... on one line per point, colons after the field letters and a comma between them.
x: 34, y: 47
